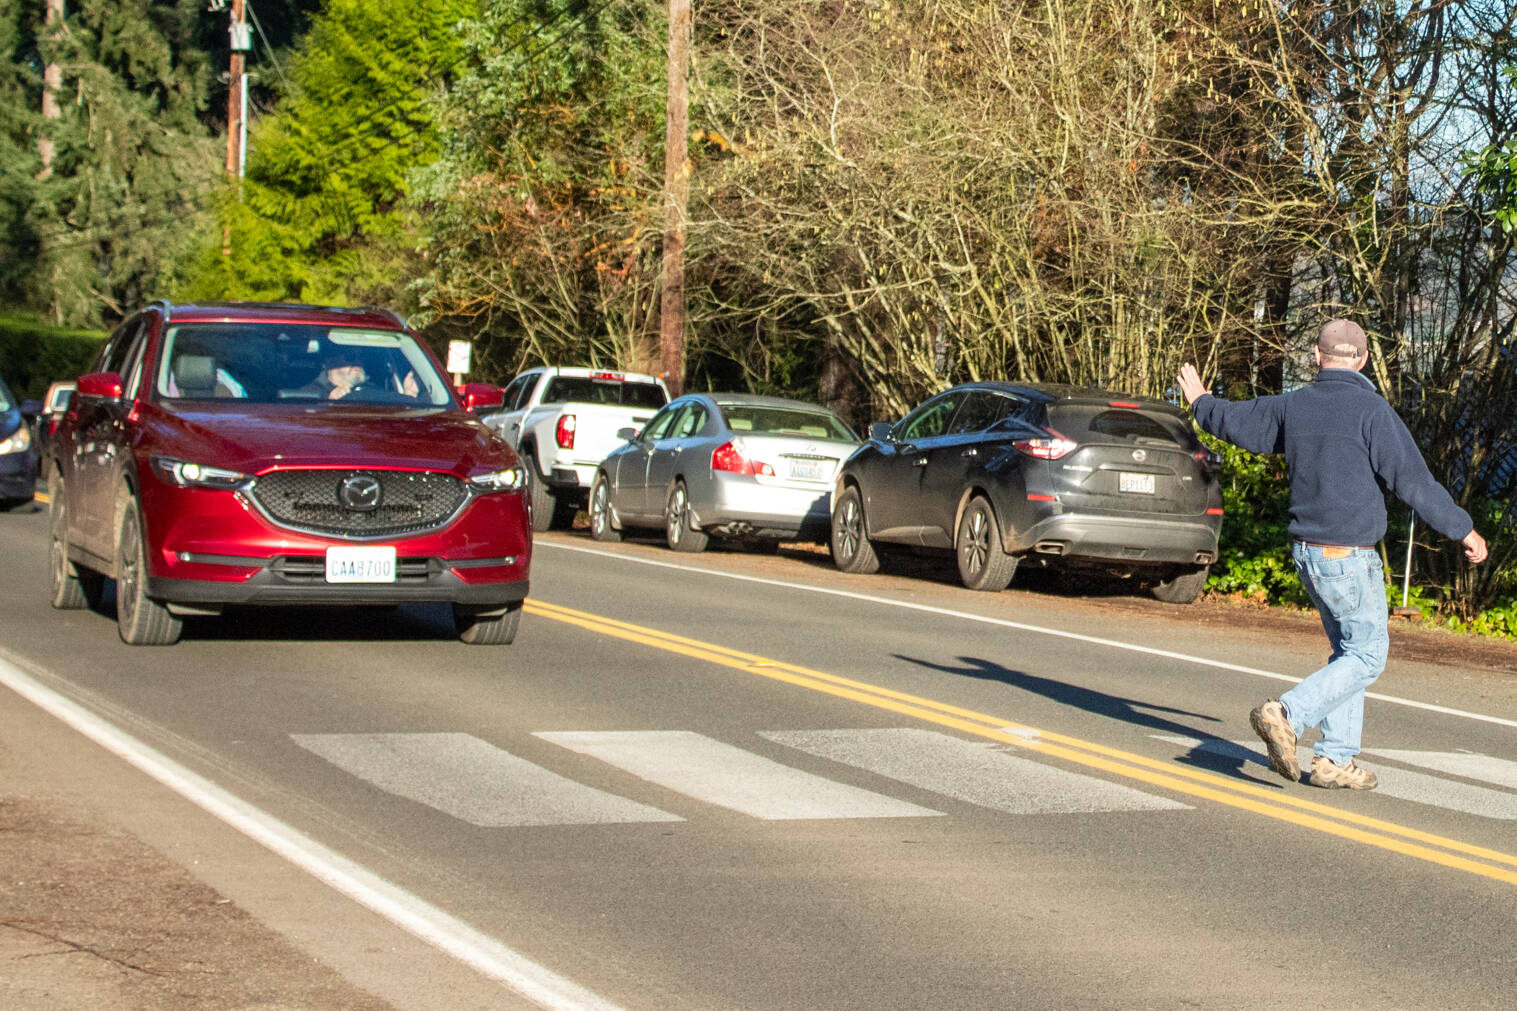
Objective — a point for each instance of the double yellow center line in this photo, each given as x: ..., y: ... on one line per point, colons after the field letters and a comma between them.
x: 1193, y: 782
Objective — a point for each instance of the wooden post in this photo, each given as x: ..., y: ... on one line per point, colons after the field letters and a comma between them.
x: 52, y: 80
x: 676, y: 195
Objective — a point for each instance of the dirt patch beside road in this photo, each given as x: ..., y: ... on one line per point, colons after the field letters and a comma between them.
x: 92, y: 917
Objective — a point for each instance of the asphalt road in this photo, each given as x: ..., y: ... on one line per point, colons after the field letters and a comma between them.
x: 733, y: 781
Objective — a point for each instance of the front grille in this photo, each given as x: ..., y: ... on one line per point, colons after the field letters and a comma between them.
x: 408, y: 501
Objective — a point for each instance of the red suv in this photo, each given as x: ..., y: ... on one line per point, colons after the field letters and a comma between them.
x: 251, y: 453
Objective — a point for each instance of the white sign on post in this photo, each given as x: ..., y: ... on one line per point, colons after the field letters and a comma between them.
x: 458, y: 356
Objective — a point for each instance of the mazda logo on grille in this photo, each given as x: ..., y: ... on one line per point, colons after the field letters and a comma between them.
x: 360, y: 492
x: 1139, y: 455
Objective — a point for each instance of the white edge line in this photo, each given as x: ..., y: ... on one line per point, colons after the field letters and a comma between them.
x: 1020, y: 626
x: 443, y: 931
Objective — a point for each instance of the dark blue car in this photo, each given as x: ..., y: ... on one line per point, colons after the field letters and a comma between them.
x: 18, y: 456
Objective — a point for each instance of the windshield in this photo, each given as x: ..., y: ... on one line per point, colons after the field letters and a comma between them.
x: 6, y: 403
x: 786, y: 421
x: 266, y: 362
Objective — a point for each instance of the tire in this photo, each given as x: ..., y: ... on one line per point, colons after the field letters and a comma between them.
x: 70, y: 587
x: 542, y: 507
x: 141, y: 622
x: 678, y: 532
x: 852, y: 550
x: 983, y: 561
x: 487, y: 628
x: 600, y: 510
x: 1182, y: 588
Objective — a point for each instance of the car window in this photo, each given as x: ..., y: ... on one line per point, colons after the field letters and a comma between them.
x: 690, y: 422
x: 593, y: 390
x: 1080, y: 421
x: 656, y: 428
x: 58, y: 396
x: 116, y: 353
x: 978, y: 412
x: 6, y: 400
x: 931, y: 419
x: 814, y: 424
x: 518, y: 392
x: 267, y: 362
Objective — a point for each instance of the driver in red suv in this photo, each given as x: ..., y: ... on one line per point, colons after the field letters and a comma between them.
x: 207, y: 461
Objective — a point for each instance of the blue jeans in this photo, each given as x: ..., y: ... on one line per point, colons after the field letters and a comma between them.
x: 1350, y: 597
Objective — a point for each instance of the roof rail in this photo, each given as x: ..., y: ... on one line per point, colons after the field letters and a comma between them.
x: 397, y: 317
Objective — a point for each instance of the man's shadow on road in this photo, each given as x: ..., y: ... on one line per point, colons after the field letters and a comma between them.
x: 1210, y: 752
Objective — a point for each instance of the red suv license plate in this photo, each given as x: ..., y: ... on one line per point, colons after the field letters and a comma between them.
x: 354, y: 564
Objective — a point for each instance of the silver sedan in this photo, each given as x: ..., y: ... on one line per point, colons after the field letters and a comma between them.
x: 750, y: 468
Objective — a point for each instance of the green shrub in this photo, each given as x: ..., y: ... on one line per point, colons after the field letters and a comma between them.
x: 34, y: 354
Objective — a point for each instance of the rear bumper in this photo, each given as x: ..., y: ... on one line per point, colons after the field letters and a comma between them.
x: 740, y: 506
x: 1121, y: 539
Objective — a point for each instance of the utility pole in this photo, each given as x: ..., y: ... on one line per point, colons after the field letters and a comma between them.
x: 52, y: 80
x: 237, y: 94
x: 676, y: 195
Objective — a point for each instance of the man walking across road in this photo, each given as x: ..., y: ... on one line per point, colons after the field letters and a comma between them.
x: 1344, y: 446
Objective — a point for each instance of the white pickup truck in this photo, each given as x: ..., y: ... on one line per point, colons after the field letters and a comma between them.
x: 563, y: 421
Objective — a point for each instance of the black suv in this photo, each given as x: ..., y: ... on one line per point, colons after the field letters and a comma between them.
x: 1005, y: 473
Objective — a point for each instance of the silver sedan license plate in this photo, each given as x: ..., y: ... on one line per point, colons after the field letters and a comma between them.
x: 1141, y: 484
x: 810, y: 470
x: 366, y: 564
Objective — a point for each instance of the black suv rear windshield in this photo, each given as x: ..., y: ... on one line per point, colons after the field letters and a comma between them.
x: 1084, y: 422
x: 584, y: 390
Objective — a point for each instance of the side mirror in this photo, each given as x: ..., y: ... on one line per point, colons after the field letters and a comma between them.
x: 30, y: 409
x: 480, y: 396
x: 100, y: 384
x: 879, y: 431
x: 627, y: 434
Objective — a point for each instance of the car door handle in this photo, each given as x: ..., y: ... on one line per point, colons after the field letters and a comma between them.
x: 920, y: 461
x: 971, y: 451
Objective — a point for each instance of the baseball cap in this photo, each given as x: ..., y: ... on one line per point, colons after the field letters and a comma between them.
x: 1342, y: 338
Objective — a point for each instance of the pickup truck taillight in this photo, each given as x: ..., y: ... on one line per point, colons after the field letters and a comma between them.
x: 563, y: 432
x: 729, y: 457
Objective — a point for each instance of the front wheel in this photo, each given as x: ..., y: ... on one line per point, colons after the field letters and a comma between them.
x: 1182, y: 588
x: 983, y: 562
x: 141, y: 622
x: 852, y: 550
x: 600, y: 510
x: 492, y: 627
x: 678, y: 531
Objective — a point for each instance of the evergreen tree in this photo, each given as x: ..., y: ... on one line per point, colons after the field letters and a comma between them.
x: 319, y: 216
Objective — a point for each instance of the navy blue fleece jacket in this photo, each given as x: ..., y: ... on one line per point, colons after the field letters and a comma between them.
x: 1344, y: 447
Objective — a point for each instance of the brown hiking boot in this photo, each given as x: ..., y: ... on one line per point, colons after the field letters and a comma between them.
x: 1331, y: 776
x: 1269, y: 723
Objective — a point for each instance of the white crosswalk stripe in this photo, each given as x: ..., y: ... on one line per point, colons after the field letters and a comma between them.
x: 1402, y: 784
x: 1499, y: 771
x: 473, y: 780
x: 978, y: 772
x: 718, y: 773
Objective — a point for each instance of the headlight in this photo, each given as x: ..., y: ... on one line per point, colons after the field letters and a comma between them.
x: 510, y: 479
x: 194, y: 475
x: 18, y: 441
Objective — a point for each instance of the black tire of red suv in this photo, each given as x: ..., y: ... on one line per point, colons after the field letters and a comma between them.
x: 140, y: 620
x: 852, y: 551
x: 600, y: 510
x: 491, y: 628
x: 70, y: 587
x: 983, y: 561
